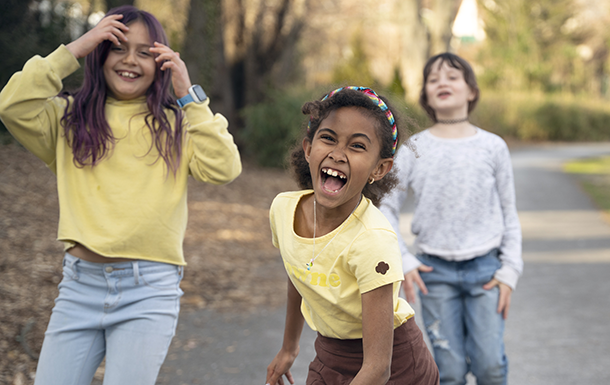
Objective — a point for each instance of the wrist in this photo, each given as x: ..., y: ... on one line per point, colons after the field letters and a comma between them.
x: 195, y: 94
x: 292, y: 351
x: 73, y: 50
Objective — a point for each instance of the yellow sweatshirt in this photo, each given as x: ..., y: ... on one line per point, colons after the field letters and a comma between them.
x: 129, y: 205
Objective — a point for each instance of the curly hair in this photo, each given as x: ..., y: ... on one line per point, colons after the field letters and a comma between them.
x: 320, y: 109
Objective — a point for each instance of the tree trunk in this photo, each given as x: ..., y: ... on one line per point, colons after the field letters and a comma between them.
x: 444, y: 12
x: 414, y: 48
x: 203, y: 53
x: 116, y: 3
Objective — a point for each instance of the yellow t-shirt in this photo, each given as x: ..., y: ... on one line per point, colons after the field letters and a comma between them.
x: 129, y: 205
x: 363, y: 256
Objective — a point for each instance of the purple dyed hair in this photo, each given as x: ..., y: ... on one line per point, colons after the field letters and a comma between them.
x: 85, y: 124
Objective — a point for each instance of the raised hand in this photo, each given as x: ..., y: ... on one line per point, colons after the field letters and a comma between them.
x: 109, y: 28
x: 171, y: 60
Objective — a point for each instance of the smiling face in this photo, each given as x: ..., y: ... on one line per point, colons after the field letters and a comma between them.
x: 447, y: 92
x: 130, y: 68
x: 343, y: 156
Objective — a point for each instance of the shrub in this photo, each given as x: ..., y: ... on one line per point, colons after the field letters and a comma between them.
x: 274, y: 126
x: 531, y: 117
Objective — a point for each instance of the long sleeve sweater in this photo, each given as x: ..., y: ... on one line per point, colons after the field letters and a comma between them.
x: 464, y: 200
x: 128, y: 205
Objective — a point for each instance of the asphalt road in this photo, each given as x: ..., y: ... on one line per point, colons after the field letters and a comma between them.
x: 557, y: 332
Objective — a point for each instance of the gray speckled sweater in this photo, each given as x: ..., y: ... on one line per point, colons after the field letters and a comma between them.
x: 464, y: 200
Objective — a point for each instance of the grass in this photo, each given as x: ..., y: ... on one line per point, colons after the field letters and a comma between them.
x: 594, y: 175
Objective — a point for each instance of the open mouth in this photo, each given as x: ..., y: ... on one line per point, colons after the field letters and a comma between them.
x: 332, y: 180
x: 444, y: 94
x: 128, y: 74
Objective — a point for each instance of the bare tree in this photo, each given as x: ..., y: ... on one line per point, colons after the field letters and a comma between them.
x: 441, y: 24
x: 414, y: 49
x: 234, y: 46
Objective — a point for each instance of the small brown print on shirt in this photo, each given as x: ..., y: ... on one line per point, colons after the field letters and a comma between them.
x: 382, y: 268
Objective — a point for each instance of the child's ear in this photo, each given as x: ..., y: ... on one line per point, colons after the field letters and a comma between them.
x: 307, y: 148
x: 383, y: 168
x: 472, y: 95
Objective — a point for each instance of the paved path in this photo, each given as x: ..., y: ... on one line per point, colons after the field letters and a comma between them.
x: 557, y: 332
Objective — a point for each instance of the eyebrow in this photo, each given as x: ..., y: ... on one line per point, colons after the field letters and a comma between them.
x: 356, y: 135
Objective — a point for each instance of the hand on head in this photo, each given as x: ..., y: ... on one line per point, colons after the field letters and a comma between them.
x: 171, y: 60
x: 109, y: 28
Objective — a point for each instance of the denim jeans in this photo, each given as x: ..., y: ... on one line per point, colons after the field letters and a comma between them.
x: 462, y: 321
x: 126, y: 311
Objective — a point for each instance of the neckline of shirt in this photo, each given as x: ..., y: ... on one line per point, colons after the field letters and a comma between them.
x: 476, y: 135
x: 139, y: 100
x: 301, y: 239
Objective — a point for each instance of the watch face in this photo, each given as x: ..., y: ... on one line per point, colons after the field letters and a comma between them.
x: 199, y: 93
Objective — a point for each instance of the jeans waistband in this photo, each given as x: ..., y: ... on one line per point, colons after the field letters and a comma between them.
x: 119, y: 269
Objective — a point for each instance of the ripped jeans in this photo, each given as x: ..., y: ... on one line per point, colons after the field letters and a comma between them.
x: 461, y: 319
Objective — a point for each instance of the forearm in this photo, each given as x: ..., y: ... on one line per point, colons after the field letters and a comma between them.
x: 214, y: 157
x: 294, y: 321
x: 510, y: 249
x: 377, y: 336
x: 27, y: 104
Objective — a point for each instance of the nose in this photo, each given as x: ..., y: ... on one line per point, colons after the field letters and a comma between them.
x: 130, y: 58
x: 337, y: 154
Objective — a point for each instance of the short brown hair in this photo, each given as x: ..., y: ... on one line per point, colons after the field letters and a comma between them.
x: 454, y: 61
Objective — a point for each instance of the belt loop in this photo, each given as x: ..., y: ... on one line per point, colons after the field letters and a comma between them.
x: 136, y: 272
x: 72, y: 265
x: 181, y: 271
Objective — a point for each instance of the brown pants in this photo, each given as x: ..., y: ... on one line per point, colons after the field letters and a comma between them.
x: 338, y: 361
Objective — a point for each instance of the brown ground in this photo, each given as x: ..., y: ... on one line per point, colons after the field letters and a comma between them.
x: 231, y: 262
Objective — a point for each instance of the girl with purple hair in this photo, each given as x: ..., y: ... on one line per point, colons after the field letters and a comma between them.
x: 122, y: 148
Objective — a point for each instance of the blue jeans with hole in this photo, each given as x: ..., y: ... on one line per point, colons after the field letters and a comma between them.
x: 126, y: 311
x: 462, y: 321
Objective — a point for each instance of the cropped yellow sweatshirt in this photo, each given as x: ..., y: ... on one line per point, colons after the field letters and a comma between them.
x: 129, y: 205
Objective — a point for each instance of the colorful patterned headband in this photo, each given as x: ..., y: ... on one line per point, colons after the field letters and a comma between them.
x: 375, y: 98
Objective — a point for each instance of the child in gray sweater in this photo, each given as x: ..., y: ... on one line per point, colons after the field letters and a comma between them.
x: 468, y: 236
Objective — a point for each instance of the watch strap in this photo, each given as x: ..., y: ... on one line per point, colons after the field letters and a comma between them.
x: 183, y: 101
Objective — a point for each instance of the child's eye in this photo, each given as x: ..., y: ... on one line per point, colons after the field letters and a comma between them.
x: 117, y: 48
x: 327, y: 137
x: 359, y: 146
x: 145, y: 53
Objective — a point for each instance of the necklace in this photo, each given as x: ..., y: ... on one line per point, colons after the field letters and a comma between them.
x: 313, y: 252
x: 452, y: 121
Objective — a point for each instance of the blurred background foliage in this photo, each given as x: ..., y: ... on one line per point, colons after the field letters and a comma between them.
x: 542, y: 64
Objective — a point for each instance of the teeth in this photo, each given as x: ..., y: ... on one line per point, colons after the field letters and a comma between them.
x: 334, y: 173
x: 128, y: 74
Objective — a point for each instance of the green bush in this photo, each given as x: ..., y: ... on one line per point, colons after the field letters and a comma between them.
x: 532, y: 117
x: 273, y: 127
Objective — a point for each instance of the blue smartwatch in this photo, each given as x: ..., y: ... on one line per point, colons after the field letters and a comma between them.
x: 196, y: 94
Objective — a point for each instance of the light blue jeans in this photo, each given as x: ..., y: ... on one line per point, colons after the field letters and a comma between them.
x: 462, y: 321
x: 126, y: 311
